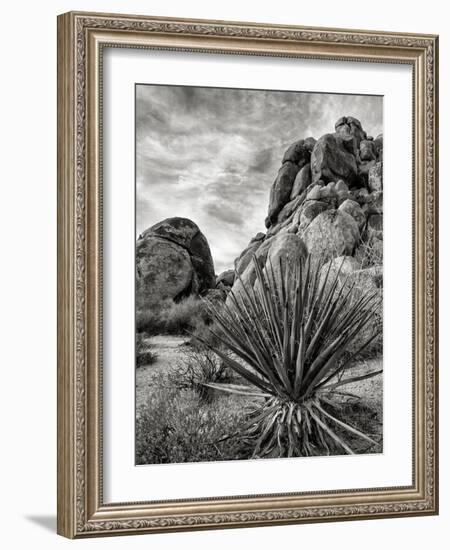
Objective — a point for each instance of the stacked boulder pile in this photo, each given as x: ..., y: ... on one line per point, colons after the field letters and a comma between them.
x: 326, y: 200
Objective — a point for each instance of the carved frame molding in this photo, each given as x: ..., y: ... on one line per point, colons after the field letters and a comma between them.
x: 81, y: 37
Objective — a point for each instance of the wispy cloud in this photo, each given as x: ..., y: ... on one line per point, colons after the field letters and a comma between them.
x: 211, y: 154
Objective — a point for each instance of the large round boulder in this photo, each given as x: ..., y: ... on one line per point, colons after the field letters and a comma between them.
x: 308, y: 212
x: 331, y: 234
x: 353, y: 208
x: 173, y: 260
x: 187, y: 234
x: 163, y: 270
x: 298, y: 153
x: 351, y: 126
x: 286, y: 246
x: 332, y: 160
x: 287, y: 249
x: 226, y: 278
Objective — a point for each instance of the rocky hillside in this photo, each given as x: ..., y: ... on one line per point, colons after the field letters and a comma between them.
x: 326, y: 200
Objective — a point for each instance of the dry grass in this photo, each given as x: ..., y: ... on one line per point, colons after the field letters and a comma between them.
x: 369, y: 253
x: 197, y: 367
x: 176, y: 425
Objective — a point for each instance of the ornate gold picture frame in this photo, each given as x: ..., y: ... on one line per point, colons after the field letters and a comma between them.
x: 82, y: 39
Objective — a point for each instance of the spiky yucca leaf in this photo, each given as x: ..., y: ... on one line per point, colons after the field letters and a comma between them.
x: 289, y: 334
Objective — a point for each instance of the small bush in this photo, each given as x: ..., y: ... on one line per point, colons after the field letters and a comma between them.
x: 176, y: 426
x: 168, y: 317
x: 369, y: 253
x: 144, y: 353
x: 199, y: 366
x: 150, y: 321
x: 146, y: 358
x: 205, y: 333
x: 184, y: 316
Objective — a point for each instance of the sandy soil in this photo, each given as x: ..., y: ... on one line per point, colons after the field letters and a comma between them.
x: 370, y: 394
x: 371, y: 389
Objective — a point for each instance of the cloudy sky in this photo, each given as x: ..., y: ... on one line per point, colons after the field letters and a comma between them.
x: 211, y: 154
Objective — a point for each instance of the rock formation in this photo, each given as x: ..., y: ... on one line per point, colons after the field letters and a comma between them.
x: 225, y: 279
x: 327, y: 200
x: 246, y: 255
x: 333, y: 159
x: 173, y: 260
x: 332, y: 233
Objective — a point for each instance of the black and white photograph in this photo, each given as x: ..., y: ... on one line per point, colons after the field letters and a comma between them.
x: 259, y: 274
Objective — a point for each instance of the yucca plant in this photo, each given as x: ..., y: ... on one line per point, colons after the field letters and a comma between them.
x: 289, y: 336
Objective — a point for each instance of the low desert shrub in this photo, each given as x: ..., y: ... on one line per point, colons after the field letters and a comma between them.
x: 369, y: 253
x: 144, y: 353
x: 197, y: 367
x: 177, y: 426
x: 205, y: 332
x: 168, y: 317
x: 150, y: 320
x: 182, y: 317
